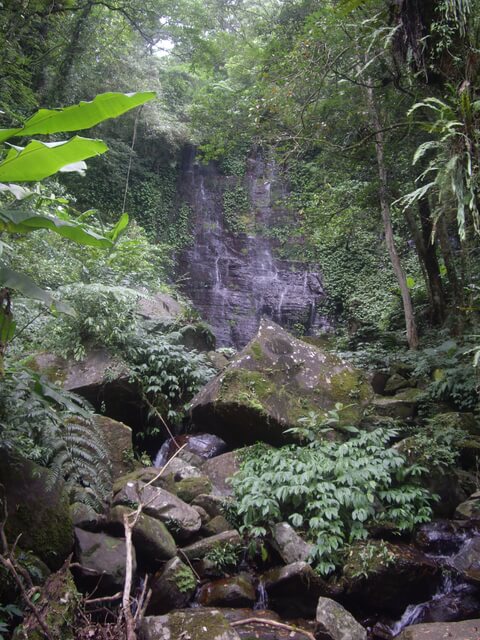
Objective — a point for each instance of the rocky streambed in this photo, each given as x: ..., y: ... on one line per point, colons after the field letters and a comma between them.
x: 205, y: 580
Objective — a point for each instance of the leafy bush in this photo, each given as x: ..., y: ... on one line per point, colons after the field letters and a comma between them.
x: 455, y: 378
x: 331, y: 491
x: 168, y: 373
x: 105, y: 316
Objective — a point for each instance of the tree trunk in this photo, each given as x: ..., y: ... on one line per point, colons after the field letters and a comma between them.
x: 412, y: 335
x: 427, y: 256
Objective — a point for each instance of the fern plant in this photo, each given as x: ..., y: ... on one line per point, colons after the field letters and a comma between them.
x: 56, y: 429
x: 332, y: 492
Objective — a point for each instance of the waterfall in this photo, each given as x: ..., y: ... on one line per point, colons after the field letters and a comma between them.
x: 232, y: 278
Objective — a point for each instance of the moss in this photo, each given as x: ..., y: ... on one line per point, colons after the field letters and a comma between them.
x: 189, y: 488
x: 256, y: 350
x: 250, y: 388
x: 184, y: 579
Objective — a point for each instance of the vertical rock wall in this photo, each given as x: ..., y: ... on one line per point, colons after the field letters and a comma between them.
x: 234, y: 278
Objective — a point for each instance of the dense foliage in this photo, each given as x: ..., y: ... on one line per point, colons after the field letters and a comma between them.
x: 332, y: 492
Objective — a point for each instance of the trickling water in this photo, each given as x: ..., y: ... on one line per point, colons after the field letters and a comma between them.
x: 455, y: 598
x: 234, y: 279
x: 262, y: 598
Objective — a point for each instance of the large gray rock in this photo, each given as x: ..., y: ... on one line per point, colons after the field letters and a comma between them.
x: 220, y: 469
x: 117, y: 439
x: 159, y: 307
x: 403, y: 406
x: 272, y: 383
x: 38, y: 509
x: 100, y: 378
x: 181, y: 519
x: 290, y: 546
x: 465, y: 630
x: 337, y: 622
x: 102, y: 561
x: 151, y: 538
x: 194, y: 624
x: 172, y: 588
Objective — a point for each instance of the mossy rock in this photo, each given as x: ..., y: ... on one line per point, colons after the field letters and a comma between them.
x: 172, y: 588
x: 38, y: 509
x: 272, y: 383
x: 189, y: 488
x: 57, y: 605
x: 195, y: 624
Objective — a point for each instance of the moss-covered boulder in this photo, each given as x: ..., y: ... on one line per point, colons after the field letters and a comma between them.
x: 237, y: 591
x: 117, y: 438
x: 404, y: 405
x: 335, y: 621
x: 195, y: 624
x: 470, y: 509
x: 151, y: 538
x: 198, y: 550
x: 172, y: 588
x: 272, y: 383
x: 57, y: 605
x: 189, y: 488
x: 38, y: 509
x: 101, y: 561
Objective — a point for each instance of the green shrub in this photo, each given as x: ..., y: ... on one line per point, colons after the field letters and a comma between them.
x: 331, y: 491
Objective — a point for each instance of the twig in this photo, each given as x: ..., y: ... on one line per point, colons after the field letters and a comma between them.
x: 129, y: 521
x: 273, y: 623
x: 116, y: 596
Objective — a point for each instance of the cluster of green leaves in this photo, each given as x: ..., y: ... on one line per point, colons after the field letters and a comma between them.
x: 168, y: 373
x: 225, y: 557
x: 104, y: 316
x: 437, y: 446
x: 236, y: 206
x: 56, y: 429
x: 331, y: 491
x: 450, y: 372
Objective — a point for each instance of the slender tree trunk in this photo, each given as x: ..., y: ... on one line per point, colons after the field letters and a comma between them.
x: 427, y: 256
x: 412, y: 335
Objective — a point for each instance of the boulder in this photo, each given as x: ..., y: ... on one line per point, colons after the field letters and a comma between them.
x: 212, y: 504
x: 218, y: 360
x: 38, y: 509
x: 389, y: 577
x: 273, y: 382
x: 203, y: 445
x: 159, y: 307
x: 147, y: 475
x: 102, y: 561
x: 151, y: 538
x: 465, y: 630
x: 467, y: 560
x: 294, y: 590
x: 289, y: 545
x: 198, y: 550
x: 84, y: 517
x: 220, y: 469
x: 172, y: 588
x: 216, y: 525
x: 100, y: 378
x: 57, y: 605
x: 470, y: 509
x: 395, y: 383
x: 403, y: 406
x: 237, y: 591
x: 181, y: 520
x: 194, y: 624
x: 445, y: 537
x: 337, y: 622
x: 117, y: 439
x: 189, y: 488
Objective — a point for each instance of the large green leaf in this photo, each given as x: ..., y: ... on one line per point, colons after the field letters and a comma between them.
x: 26, y: 221
x: 26, y: 286
x: 79, y: 116
x: 38, y: 160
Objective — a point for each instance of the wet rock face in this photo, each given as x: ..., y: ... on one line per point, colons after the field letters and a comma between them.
x: 234, y: 278
x: 467, y: 630
x: 272, y: 383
